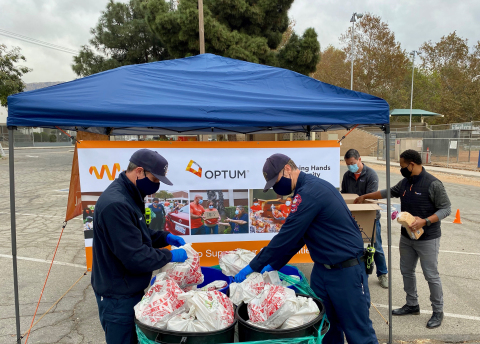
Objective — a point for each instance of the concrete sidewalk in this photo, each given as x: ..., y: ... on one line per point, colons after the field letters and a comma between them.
x: 373, y: 160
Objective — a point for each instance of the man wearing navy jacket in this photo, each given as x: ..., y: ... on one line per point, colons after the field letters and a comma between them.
x: 320, y: 219
x: 125, y: 250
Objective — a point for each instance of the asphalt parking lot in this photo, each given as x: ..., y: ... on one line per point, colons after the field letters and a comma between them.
x: 42, y: 177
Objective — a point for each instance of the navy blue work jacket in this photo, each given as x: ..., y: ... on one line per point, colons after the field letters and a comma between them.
x: 320, y: 219
x: 125, y: 250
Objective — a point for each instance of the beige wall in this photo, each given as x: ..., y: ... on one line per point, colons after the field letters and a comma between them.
x: 364, y: 142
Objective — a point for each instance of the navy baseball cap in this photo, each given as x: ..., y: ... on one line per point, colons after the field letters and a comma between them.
x: 272, y: 167
x: 152, y: 162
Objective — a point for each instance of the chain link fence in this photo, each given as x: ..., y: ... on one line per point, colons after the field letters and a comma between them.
x: 29, y: 137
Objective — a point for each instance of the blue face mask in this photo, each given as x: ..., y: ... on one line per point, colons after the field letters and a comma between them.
x: 210, y: 206
x: 147, y: 187
x: 283, y: 187
x: 237, y: 212
x: 200, y: 201
x: 353, y: 168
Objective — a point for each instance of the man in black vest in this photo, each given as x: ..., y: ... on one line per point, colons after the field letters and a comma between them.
x: 423, y: 196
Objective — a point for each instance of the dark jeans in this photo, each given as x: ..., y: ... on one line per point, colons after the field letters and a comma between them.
x: 199, y: 230
x: 116, y: 317
x: 209, y: 229
x: 379, y: 256
x: 346, y: 298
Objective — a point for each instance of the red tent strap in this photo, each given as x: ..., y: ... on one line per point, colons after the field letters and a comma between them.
x: 344, y: 136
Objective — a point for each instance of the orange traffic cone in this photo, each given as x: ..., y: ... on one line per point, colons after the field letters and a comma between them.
x: 457, y: 217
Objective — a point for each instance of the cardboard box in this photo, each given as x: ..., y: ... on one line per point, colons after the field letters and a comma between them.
x: 211, y: 214
x: 349, y: 198
x: 365, y: 214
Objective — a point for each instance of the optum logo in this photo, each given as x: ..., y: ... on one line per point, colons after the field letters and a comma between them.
x: 105, y: 169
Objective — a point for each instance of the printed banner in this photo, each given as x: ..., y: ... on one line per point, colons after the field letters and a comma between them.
x: 216, y: 201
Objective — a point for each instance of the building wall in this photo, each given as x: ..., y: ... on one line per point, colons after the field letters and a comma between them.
x: 364, y: 142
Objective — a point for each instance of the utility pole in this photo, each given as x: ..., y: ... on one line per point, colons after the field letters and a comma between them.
x: 201, y: 29
x: 353, y: 20
x: 413, y: 53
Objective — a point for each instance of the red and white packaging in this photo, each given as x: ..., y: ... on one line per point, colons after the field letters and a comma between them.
x: 231, y: 262
x: 213, y: 309
x: 272, y: 307
x: 248, y: 289
x: 160, y: 303
x: 188, y: 273
x: 215, y: 285
x: 307, y: 310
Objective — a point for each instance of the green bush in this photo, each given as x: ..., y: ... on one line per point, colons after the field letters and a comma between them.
x: 53, y: 138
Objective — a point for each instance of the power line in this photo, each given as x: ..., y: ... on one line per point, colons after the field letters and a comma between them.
x: 37, y: 42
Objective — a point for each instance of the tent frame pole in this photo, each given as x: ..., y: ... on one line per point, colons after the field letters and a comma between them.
x: 11, y: 167
x: 386, y: 129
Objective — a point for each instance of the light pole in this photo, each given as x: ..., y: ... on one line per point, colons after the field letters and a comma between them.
x: 413, y: 53
x: 353, y: 20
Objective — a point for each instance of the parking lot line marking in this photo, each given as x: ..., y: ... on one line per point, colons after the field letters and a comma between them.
x: 43, y: 261
x: 451, y: 315
x: 61, y: 217
x: 444, y: 251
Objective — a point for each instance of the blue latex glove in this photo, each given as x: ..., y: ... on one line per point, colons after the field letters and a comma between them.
x: 175, y: 240
x: 267, y: 268
x: 179, y: 255
x: 242, y: 275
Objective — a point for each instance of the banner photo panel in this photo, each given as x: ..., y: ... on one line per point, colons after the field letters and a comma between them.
x: 216, y: 201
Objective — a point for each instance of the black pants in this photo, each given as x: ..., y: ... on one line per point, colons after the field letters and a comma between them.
x: 116, y: 317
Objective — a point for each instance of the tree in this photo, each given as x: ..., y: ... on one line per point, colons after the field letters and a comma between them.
x: 333, y: 67
x: 122, y: 37
x: 11, y: 74
x: 164, y: 195
x: 240, y: 29
x: 380, y: 64
x: 456, y: 67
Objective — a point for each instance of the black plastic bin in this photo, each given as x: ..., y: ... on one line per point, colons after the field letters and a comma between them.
x: 226, y: 335
x: 247, y: 332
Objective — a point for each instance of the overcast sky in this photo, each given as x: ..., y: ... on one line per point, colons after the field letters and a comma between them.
x: 67, y: 23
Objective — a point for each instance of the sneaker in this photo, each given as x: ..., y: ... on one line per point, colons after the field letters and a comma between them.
x: 383, y: 279
x: 407, y: 310
x: 436, y: 320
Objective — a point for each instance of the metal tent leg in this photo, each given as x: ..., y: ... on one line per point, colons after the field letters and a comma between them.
x: 389, y: 234
x: 11, y: 163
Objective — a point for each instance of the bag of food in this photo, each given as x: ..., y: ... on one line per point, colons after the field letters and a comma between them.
x: 213, y: 309
x: 307, y: 310
x: 215, y: 285
x: 272, y: 307
x: 406, y: 220
x: 247, y: 290
x: 160, y: 303
x: 271, y: 277
x: 186, y: 322
x: 231, y: 262
x: 187, y: 273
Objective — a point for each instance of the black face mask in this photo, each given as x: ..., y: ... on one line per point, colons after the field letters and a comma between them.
x: 283, y: 187
x: 406, y: 172
x: 146, y: 186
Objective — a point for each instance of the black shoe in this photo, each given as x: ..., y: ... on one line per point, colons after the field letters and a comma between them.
x: 436, y: 320
x: 406, y: 310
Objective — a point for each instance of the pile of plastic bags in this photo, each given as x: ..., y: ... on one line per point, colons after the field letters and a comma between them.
x: 174, y: 303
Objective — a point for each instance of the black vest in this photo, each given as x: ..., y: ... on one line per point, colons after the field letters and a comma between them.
x: 415, y: 199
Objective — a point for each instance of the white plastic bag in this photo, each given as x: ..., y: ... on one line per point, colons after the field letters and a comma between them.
x: 248, y: 289
x: 215, y: 285
x: 187, y: 273
x: 231, y: 262
x: 272, y: 307
x: 160, y: 303
x: 307, y: 310
x: 271, y: 277
x: 186, y: 322
x: 213, y: 309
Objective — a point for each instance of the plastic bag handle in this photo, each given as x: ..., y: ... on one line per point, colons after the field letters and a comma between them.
x: 182, y: 341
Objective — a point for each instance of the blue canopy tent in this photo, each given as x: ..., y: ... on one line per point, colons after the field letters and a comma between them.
x: 195, y: 95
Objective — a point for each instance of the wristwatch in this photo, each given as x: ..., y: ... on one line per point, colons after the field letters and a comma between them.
x: 428, y: 221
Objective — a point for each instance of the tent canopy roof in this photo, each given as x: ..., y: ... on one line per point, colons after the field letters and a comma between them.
x: 415, y: 112
x: 200, y: 94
